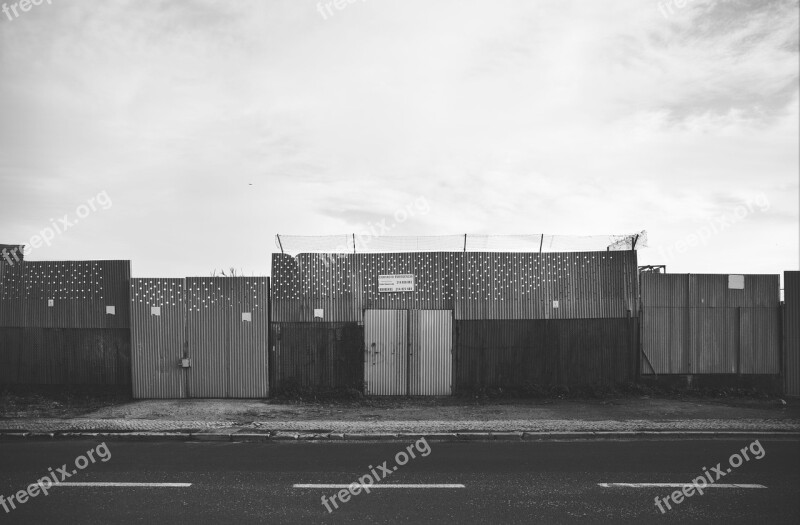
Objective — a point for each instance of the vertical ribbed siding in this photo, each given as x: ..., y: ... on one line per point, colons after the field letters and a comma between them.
x: 248, y: 339
x: 80, y: 291
x: 314, y: 356
x: 665, y: 333
x: 11, y: 295
x: 791, y: 331
x: 201, y: 318
x: 207, y: 327
x: 696, y: 324
x: 386, y: 352
x: 65, y: 356
x: 759, y: 340
x: 525, y: 286
x: 475, y: 285
x: 157, y: 341
x: 431, y: 360
x: 74, y: 341
x: 536, y: 353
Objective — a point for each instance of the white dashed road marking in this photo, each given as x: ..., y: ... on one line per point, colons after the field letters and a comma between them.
x: 680, y: 485
x: 120, y: 484
x: 380, y: 486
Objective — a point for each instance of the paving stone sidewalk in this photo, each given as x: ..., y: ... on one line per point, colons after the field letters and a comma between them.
x: 394, y: 427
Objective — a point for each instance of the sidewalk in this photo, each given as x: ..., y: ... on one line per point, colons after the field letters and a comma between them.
x: 443, y: 418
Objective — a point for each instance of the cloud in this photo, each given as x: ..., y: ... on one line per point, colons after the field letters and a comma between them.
x: 222, y: 124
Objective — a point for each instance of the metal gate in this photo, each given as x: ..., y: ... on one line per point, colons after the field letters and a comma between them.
x: 408, y: 352
x: 200, y: 337
x: 430, y: 359
x: 386, y: 359
x: 157, y: 341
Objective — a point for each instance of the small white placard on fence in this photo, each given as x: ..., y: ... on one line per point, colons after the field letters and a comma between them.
x: 155, y: 310
x: 318, y: 313
x: 247, y: 316
x: 736, y: 282
x: 111, y: 310
x: 50, y: 302
x: 400, y: 282
x: 555, y: 304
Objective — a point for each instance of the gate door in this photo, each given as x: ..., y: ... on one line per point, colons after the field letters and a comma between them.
x: 386, y: 352
x: 431, y: 361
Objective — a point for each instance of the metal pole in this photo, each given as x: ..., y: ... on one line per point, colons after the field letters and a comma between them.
x: 541, y: 242
x: 354, y: 243
x: 279, y: 242
x: 465, y: 243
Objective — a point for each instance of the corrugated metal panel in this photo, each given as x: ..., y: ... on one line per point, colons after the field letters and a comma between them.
x: 157, y: 341
x: 80, y: 291
x: 711, y: 290
x: 475, y: 285
x: 708, y: 290
x: 761, y: 291
x: 665, y: 339
x: 664, y: 290
x: 431, y: 358
x: 696, y: 324
x: 317, y: 356
x: 207, y: 327
x: 12, y: 310
x: 791, y: 327
x: 525, y: 286
x: 65, y: 356
x: 249, y: 339
x: 202, y: 319
x: 714, y: 345
x: 386, y: 352
x: 759, y: 337
x: 74, y: 341
x: 527, y: 354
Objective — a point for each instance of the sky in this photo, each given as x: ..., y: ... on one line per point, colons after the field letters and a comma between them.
x: 185, y: 135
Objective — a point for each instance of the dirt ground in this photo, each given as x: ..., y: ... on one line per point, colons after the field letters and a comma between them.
x: 52, y: 403
x: 395, y: 409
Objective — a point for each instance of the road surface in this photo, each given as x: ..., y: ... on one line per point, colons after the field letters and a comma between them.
x: 445, y: 482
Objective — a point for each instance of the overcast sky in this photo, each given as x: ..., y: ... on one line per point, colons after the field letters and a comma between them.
x: 185, y: 135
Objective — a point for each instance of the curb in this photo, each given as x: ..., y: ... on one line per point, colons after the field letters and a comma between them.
x: 249, y: 437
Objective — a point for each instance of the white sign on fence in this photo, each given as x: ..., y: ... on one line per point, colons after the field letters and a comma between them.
x: 403, y: 282
x: 736, y: 282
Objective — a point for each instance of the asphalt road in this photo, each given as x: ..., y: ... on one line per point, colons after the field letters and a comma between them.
x: 503, y: 482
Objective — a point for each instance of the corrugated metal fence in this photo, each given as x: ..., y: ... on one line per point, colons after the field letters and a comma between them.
x: 316, y: 356
x: 791, y: 330
x: 576, y: 285
x: 710, y: 324
x: 65, y: 322
x: 220, y: 324
x: 558, y: 296
x: 542, y: 353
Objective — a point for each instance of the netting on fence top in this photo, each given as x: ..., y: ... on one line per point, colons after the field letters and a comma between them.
x: 533, y: 243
